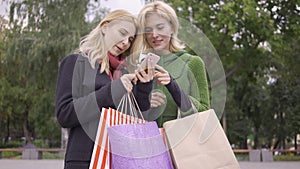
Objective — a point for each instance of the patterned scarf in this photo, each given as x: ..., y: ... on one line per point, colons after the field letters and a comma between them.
x: 116, y: 63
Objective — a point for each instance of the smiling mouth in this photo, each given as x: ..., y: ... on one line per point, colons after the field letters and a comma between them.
x: 119, y: 48
x: 157, y: 41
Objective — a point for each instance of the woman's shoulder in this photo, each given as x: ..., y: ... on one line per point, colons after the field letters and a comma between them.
x: 190, y: 58
x: 196, y: 59
x: 73, y: 58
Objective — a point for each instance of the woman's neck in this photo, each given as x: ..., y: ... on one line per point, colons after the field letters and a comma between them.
x: 162, y: 52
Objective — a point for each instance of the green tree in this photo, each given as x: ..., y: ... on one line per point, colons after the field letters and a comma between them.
x: 231, y: 27
x: 40, y: 34
x: 256, y: 41
x: 285, y: 49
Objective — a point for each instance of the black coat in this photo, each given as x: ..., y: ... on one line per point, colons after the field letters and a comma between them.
x: 80, y: 95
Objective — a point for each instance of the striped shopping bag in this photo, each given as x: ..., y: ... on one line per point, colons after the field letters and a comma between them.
x: 101, y: 157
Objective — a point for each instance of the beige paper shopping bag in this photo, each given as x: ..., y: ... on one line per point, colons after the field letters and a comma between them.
x: 199, y: 142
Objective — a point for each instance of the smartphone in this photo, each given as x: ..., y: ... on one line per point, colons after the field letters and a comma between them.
x: 150, y: 56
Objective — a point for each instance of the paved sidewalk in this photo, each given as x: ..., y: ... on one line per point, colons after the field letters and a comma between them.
x: 270, y: 165
x: 31, y: 164
x: 58, y: 164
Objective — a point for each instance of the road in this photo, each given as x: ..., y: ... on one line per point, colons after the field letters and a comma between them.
x: 58, y: 164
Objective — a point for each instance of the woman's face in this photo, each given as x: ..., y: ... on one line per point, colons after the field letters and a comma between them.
x: 158, y: 32
x: 118, y: 36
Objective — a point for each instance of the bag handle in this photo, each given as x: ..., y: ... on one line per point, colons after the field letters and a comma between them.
x: 129, y: 103
x: 179, y: 112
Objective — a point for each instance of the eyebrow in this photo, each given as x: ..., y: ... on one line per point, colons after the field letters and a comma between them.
x: 123, y: 29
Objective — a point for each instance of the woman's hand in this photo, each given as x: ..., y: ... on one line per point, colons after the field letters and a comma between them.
x: 163, y: 76
x: 144, y: 76
x: 126, y: 81
x: 157, y: 99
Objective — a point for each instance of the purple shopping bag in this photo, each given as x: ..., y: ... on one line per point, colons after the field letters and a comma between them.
x: 138, y: 145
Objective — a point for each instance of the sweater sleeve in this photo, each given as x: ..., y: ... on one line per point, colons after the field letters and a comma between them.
x: 142, y: 93
x: 181, y: 99
x: 199, y: 84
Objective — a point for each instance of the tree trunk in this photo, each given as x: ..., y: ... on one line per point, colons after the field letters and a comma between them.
x: 281, y: 129
x: 7, y: 130
x: 283, y: 143
x: 26, y: 130
x: 255, y: 138
x: 295, y: 144
x: 245, y: 145
x: 224, y: 122
x: 276, y: 144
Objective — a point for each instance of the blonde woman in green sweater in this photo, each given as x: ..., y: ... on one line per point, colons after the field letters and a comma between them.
x: 181, y: 77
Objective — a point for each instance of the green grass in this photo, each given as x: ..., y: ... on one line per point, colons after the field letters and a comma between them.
x: 18, y: 155
x: 289, y: 157
x: 12, y: 155
x: 242, y: 156
x: 48, y: 155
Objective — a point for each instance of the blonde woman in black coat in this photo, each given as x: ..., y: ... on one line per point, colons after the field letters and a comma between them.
x: 97, y: 75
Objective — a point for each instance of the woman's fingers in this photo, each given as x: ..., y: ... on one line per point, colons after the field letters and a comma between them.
x: 144, y: 76
x: 126, y: 81
x: 157, y: 99
x: 163, y: 78
x: 139, y: 77
x: 154, y: 103
x: 158, y: 95
x: 161, y: 69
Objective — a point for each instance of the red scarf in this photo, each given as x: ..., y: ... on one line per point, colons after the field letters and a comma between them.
x: 116, y: 63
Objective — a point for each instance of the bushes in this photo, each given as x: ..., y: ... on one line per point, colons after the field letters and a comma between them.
x: 290, y: 157
x: 12, y: 144
x: 12, y: 155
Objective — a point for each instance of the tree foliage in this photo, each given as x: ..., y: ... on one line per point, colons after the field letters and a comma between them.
x: 40, y: 33
x: 256, y: 41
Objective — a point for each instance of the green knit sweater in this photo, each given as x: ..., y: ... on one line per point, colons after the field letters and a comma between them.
x: 189, y: 73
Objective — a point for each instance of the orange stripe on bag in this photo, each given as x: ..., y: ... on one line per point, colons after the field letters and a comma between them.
x: 100, y: 141
x: 119, y: 117
x: 105, y: 154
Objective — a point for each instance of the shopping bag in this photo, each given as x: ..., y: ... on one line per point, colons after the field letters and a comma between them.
x: 138, y: 145
x: 101, y: 156
x: 198, y: 141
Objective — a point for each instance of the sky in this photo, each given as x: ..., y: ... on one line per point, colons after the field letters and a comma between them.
x: 3, y: 6
x: 132, y: 6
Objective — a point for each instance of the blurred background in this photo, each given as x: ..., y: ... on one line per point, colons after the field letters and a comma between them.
x: 257, y: 42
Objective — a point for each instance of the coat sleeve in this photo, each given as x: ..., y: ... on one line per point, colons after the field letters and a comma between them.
x: 76, y: 106
x: 64, y: 107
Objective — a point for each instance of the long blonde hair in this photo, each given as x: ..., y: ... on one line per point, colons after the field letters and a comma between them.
x: 167, y: 12
x: 93, y: 46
